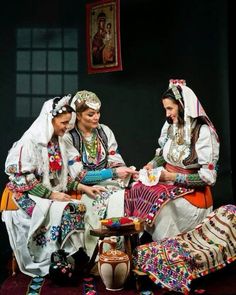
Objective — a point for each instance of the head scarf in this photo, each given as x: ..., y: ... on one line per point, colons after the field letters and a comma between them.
x: 41, y: 130
x: 33, y: 145
x: 192, y: 107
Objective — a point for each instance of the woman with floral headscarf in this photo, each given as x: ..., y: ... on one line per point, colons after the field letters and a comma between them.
x: 173, y: 193
x: 47, y: 218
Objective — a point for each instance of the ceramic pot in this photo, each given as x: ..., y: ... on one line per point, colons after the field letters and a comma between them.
x: 113, y: 266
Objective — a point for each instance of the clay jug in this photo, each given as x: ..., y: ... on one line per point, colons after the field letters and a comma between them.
x: 113, y: 266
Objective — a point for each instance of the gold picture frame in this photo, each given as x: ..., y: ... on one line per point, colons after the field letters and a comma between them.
x: 103, y: 36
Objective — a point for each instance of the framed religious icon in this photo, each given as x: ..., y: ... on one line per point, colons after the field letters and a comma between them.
x: 103, y: 36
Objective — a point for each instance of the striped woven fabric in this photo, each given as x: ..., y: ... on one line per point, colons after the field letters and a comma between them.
x: 145, y: 201
x: 175, y: 262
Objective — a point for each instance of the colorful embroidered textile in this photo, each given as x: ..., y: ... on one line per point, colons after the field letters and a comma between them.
x: 175, y: 262
x: 41, y: 227
x: 54, y: 155
x: 145, y: 202
x: 108, y: 204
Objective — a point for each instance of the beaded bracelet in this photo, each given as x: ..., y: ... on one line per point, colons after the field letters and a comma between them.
x: 180, y: 178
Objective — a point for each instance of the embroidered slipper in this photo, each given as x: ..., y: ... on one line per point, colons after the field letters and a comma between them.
x: 35, y: 285
x: 89, y: 286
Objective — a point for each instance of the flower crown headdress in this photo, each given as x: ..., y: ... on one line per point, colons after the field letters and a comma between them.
x: 59, y: 104
x: 177, y: 82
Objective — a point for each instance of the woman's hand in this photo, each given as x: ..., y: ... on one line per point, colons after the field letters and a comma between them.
x: 124, y: 172
x: 59, y: 196
x: 91, y: 191
x: 135, y: 176
x: 148, y: 166
x: 167, y: 176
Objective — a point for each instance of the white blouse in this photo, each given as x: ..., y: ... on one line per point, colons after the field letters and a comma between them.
x: 207, y: 150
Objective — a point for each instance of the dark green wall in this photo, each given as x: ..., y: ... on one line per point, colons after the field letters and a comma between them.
x: 159, y: 40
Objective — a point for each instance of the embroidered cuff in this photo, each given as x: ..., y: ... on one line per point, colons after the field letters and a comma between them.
x: 93, y: 177
x: 72, y: 185
x: 180, y: 178
x: 194, y: 180
x: 40, y: 191
x: 158, y: 161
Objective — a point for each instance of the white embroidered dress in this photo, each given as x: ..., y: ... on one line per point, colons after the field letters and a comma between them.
x: 180, y: 215
x: 34, y: 233
x: 108, y: 204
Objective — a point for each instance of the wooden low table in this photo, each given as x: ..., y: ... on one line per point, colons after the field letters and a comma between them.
x: 127, y: 233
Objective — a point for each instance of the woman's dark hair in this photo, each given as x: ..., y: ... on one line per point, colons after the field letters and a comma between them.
x: 170, y: 95
x: 69, y: 109
x: 63, y: 110
x: 80, y: 107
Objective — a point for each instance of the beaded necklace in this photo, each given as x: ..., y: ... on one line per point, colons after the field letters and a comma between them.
x: 91, y: 145
x: 92, y: 149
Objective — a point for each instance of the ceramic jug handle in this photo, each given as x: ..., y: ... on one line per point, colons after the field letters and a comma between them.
x: 110, y: 242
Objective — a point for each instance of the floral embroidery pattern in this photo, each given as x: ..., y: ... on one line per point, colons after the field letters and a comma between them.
x: 11, y: 169
x: 55, y: 158
x: 55, y: 233
x: 22, y: 182
x: 26, y: 203
x: 100, y: 203
x: 72, y: 219
x: 162, y: 200
x: 40, y: 238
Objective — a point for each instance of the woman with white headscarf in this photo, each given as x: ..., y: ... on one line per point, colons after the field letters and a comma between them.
x: 173, y: 193
x: 47, y: 218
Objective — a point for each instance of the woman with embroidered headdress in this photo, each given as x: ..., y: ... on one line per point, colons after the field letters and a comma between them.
x: 94, y: 159
x: 173, y: 193
x: 47, y: 218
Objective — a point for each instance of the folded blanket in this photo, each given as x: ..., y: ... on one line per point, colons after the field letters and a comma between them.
x: 174, y: 262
